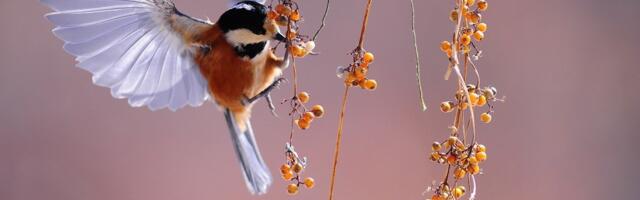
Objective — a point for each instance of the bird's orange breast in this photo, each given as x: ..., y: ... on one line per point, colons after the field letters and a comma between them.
x: 232, y: 78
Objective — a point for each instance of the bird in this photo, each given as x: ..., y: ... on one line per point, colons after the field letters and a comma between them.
x: 153, y: 55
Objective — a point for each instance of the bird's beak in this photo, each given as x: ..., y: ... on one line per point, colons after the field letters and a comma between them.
x: 280, y: 37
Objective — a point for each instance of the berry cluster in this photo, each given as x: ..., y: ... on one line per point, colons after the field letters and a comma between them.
x: 478, y: 97
x: 287, y: 14
x: 464, y: 159
x: 356, y: 73
x: 305, y: 116
x: 461, y: 154
x: 473, y: 27
x: 292, y: 169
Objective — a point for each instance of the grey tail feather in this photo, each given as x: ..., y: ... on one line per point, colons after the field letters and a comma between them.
x: 255, y: 171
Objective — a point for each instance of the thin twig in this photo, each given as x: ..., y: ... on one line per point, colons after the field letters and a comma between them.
x: 364, y: 25
x: 339, y: 137
x: 324, y: 17
x: 415, y: 45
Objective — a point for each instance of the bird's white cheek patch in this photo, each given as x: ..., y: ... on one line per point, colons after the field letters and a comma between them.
x: 244, y: 36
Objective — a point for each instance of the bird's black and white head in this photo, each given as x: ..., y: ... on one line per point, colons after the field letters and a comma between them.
x: 246, y: 23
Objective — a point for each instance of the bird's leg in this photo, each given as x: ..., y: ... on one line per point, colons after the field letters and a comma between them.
x: 265, y: 93
x: 270, y: 104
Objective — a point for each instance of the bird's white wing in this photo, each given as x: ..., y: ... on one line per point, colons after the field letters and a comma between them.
x: 140, y: 49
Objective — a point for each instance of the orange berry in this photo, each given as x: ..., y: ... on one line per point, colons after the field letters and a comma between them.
x: 481, y: 148
x: 272, y: 14
x: 478, y: 35
x: 453, y: 16
x: 295, y: 16
x: 436, y: 146
x: 485, y: 117
x: 470, y: 2
x: 473, y: 97
x: 285, y: 168
x: 361, y: 73
x: 458, y: 191
x: 304, y: 124
x: 350, y: 79
x: 482, y: 100
x: 370, y: 84
x: 482, y: 27
x: 483, y: 5
x: 308, y: 116
x: 465, y: 40
x: 297, y: 168
x: 473, y: 169
x: 309, y: 182
x: 475, y: 17
x: 298, y: 51
x: 303, y: 97
x: 292, y: 189
x: 481, y: 156
x: 451, y: 159
x: 446, y: 106
x: 459, y: 173
x: 368, y: 57
x: 452, y: 140
x: 287, y: 176
x: 435, y: 156
x: 445, y: 46
x: 317, y: 110
x: 283, y: 10
x: 472, y: 160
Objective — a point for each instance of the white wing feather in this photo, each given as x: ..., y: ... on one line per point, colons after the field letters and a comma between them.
x: 134, y: 47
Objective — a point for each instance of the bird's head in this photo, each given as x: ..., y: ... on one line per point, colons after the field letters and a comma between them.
x: 247, y: 23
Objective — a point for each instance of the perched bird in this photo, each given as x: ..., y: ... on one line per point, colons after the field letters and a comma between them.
x: 152, y: 54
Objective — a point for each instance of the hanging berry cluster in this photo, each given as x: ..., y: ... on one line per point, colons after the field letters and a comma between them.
x: 461, y: 154
x: 292, y: 171
x: 355, y: 74
x: 286, y: 13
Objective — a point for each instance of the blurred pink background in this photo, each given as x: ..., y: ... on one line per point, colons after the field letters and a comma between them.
x: 567, y: 130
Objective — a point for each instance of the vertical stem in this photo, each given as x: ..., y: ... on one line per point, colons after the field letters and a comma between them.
x: 364, y: 24
x: 415, y: 45
x: 339, y: 137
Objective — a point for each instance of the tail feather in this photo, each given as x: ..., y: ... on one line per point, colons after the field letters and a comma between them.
x: 255, y: 171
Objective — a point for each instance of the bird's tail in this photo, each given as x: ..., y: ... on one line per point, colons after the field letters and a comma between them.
x: 256, y: 173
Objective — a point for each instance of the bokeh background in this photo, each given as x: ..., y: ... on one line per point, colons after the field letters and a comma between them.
x: 568, y: 129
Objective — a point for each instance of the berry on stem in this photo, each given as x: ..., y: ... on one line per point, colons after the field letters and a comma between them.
x: 485, y: 117
x: 292, y: 189
x: 309, y: 182
x: 303, y: 97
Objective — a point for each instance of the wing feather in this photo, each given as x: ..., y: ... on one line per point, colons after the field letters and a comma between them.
x: 141, y: 49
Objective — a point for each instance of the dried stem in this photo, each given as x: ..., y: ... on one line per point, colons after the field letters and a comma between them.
x: 415, y: 45
x: 324, y: 17
x: 364, y: 25
x: 339, y: 138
